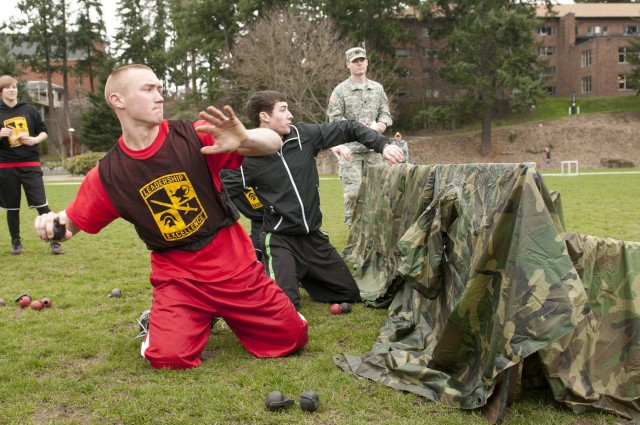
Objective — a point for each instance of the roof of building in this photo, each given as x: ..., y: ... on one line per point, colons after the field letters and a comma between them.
x: 594, y: 10
x: 580, y: 10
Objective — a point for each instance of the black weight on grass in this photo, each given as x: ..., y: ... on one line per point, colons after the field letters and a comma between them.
x: 309, y: 401
x: 346, y: 307
x: 58, y: 231
x: 275, y: 400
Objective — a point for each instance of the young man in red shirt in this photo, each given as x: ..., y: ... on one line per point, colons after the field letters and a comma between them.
x: 203, y: 265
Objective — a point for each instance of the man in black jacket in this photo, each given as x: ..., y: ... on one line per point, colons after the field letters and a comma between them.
x: 294, y: 248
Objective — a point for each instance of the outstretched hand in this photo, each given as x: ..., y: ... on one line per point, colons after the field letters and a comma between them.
x: 227, y: 129
x: 392, y: 154
x: 341, y: 151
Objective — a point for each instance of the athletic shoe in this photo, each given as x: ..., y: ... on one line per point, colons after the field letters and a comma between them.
x: 16, y: 246
x: 143, y: 321
x: 56, y: 248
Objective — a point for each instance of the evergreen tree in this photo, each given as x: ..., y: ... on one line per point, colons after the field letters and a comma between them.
x: 158, y: 40
x: 89, y: 40
x: 490, y: 51
x: 370, y: 23
x: 133, y: 35
x: 633, y: 57
x: 8, y: 63
x: 100, y: 127
x: 203, y: 35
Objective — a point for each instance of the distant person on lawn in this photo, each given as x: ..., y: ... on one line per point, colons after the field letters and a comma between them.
x: 547, y: 157
x: 203, y: 265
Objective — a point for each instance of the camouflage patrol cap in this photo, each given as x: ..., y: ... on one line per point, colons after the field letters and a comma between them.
x: 355, y: 53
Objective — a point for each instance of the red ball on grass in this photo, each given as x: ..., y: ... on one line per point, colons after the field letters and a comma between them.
x: 24, y: 301
x: 335, y: 309
x: 36, y: 305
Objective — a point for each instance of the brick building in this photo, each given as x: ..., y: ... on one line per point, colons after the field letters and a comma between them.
x: 585, y: 44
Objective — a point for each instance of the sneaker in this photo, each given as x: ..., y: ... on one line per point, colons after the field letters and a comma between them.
x: 16, y: 246
x: 56, y: 248
x: 143, y: 321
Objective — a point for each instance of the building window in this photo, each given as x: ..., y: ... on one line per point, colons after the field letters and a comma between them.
x: 597, y: 30
x: 543, y: 30
x: 550, y: 70
x: 586, y: 58
x: 547, y: 51
x: 403, y: 93
x: 427, y: 74
x: 551, y: 91
x: 425, y: 33
x: 432, y: 93
x: 431, y: 53
x: 622, y: 82
x: 631, y: 30
x: 403, y: 53
x: 404, y: 73
x: 622, y: 54
x: 586, y: 85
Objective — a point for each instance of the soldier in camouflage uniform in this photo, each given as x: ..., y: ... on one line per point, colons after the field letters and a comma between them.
x: 402, y: 144
x: 358, y: 98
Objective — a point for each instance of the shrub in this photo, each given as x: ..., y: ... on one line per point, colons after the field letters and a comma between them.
x: 616, y: 163
x: 81, y: 164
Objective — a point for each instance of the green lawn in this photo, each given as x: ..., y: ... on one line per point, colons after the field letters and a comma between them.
x: 79, y: 362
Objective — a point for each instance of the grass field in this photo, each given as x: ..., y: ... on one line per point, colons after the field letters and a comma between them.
x: 79, y: 362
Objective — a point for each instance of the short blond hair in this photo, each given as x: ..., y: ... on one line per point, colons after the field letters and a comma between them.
x: 7, y: 80
x: 115, y: 83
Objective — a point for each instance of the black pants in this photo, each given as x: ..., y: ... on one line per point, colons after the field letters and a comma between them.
x: 312, y: 261
x: 12, y: 180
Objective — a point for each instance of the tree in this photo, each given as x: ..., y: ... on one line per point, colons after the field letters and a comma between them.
x: 89, y: 40
x: 100, y: 127
x: 489, y: 52
x: 204, y: 31
x: 288, y: 51
x: 8, y: 64
x: 371, y: 23
x: 133, y: 35
x: 633, y: 57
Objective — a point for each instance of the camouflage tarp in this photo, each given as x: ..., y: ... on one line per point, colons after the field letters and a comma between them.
x: 480, y: 276
x: 597, y: 366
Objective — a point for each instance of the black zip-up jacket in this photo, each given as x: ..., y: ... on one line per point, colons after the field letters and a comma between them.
x: 20, y: 115
x: 287, y: 182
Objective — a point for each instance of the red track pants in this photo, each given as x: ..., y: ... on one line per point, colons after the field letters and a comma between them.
x: 251, y: 303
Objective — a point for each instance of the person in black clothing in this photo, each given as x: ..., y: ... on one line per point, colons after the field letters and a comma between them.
x: 294, y: 248
x: 22, y: 128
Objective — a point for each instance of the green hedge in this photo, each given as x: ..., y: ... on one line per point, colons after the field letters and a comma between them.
x: 81, y: 164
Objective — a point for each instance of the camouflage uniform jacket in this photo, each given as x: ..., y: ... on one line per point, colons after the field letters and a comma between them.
x: 287, y: 181
x: 365, y: 102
